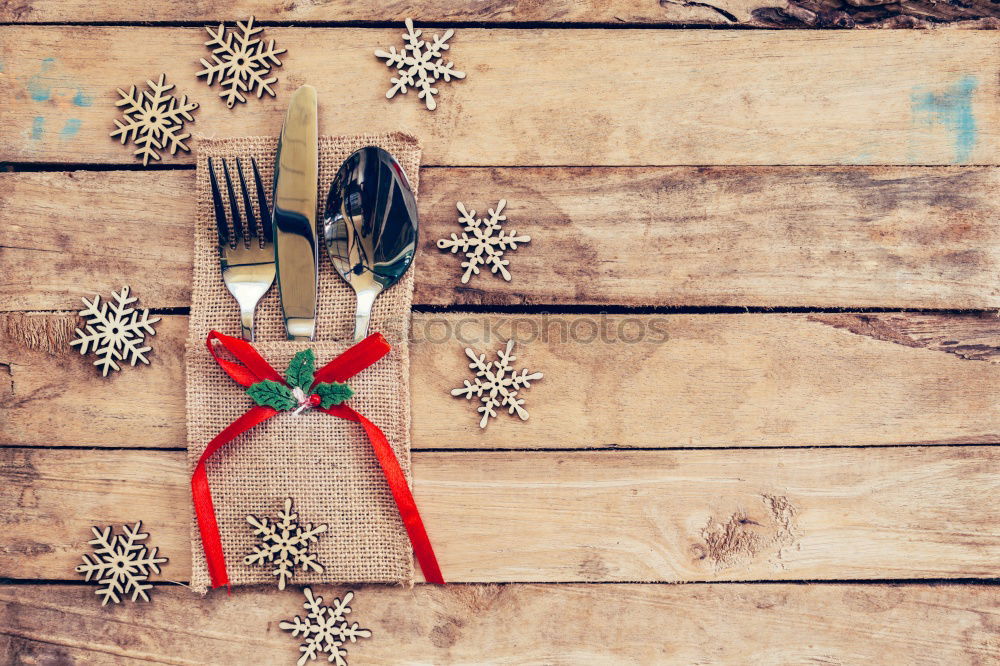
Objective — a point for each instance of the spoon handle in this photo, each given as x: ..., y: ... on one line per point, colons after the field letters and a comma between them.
x: 363, y: 315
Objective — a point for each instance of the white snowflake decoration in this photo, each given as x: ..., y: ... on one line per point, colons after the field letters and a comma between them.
x: 496, y: 384
x: 153, y: 120
x: 240, y: 62
x: 115, y: 331
x: 325, y: 629
x: 120, y: 564
x: 285, y: 543
x: 419, y: 65
x: 483, y: 241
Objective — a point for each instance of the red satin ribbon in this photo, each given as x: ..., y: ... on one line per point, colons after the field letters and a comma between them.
x: 253, y: 368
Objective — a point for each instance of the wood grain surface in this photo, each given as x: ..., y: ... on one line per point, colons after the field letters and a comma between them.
x: 776, y: 514
x: 669, y: 176
x: 636, y: 624
x: 679, y: 236
x: 691, y: 381
x: 761, y: 13
x: 546, y: 97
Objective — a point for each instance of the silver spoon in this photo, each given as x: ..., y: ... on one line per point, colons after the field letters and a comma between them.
x: 370, y: 227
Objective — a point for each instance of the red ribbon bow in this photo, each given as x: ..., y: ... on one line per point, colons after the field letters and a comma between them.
x: 253, y: 368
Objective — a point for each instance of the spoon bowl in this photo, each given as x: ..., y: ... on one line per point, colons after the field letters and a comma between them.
x: 370, y: 227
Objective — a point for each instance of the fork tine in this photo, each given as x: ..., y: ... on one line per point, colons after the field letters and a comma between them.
x: 220, y: 211
x: 265, y: 214
x: 234, y: 209
x: 247, y: 207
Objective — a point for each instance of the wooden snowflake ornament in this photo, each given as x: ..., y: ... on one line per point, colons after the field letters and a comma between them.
x: 241, y: 62
x: 325, y: 629
x: 285, y: 544
x: 115, y: 331
x: 120, y: 564
x: 496, y: 384
x: 419, y: 65
x: 483, y: 241
x: 153, y: 119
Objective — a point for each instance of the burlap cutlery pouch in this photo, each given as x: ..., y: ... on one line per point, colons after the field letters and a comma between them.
x: 324, y: 463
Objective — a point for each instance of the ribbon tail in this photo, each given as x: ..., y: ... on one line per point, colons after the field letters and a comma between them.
x: 201, y: 494
x: 405, y: 503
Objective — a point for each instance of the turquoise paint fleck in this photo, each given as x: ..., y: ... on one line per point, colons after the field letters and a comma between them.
x: 37, y: 127
x: 70, y: 129
x: 37, y: 86
x: 953, y: 109
x: 81, y: 99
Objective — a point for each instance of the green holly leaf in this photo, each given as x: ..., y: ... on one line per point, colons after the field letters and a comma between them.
x: 332, y: 393
x: 301, y: 369
x: 267, y: 393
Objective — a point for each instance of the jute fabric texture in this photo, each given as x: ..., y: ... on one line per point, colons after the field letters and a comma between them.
x: 324, y: 463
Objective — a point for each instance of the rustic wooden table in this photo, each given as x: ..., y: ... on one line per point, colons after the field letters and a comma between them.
x: 790, y: 237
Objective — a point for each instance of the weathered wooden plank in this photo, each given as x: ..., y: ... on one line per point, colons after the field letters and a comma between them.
x: 777, y: 514
x: 638, y: 624
x: 562, y: 11
x: 757, y: 236
x: 658, y: 381
x: 761, y: 13
x: 548, y: 97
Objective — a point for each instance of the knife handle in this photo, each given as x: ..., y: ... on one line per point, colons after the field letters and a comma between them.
x: 300, y: 328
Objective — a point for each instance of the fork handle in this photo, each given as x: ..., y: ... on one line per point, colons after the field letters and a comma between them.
x: 246, y: 323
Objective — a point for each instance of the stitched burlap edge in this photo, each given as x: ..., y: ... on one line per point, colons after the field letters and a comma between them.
x: 325, y: 464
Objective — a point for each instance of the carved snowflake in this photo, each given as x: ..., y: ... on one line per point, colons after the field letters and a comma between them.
x: 483, y: 241
x: 284, y: 543
x: 419, y: 65
x: 115, y: 331
x: 496, y: 384
x: 153, y: 120
x: 240, y: 62
x: 325, y: 629
x: 120, y: 564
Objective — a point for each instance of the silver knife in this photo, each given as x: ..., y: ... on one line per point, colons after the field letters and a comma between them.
x: 296, y: 251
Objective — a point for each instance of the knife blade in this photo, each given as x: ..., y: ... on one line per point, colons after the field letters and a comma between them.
x: 296, y: 250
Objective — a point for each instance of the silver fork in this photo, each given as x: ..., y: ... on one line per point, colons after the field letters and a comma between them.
x: 246, y: 253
